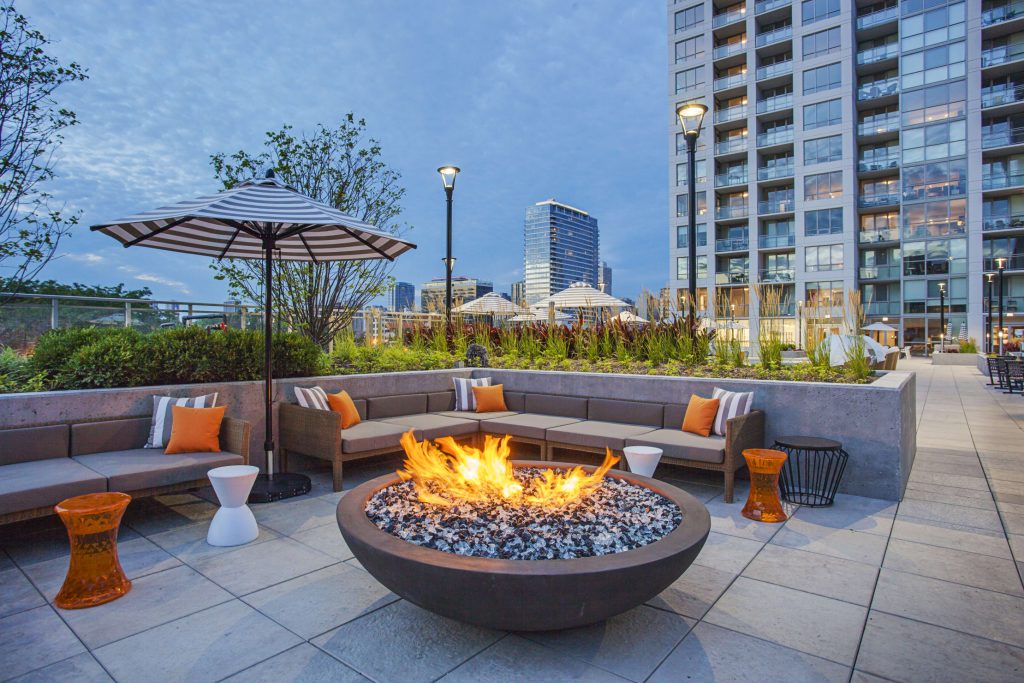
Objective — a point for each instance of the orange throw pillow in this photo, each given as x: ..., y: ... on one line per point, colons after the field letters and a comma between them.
x: 195, y: 430
x: 700, y: 415
x: 489, y: 399
x: 343, y: 404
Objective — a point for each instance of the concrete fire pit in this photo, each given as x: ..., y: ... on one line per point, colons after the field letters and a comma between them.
x: 525, y: 595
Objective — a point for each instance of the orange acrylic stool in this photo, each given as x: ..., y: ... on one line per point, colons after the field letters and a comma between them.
x: 94, y: 575
x: 763, y: 504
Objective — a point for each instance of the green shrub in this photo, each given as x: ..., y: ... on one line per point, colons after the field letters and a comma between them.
x: 17, y: 373
x: 112, y: 360
x: 54, y: 349
x: 969, y: 346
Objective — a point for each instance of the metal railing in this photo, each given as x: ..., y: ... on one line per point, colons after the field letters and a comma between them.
x: 878, y: 199
x: 881, y: 16
x: 776, y: 172
x: 878, y: 235
x: 730, y: 212
x: 733, y: 144
x: 776, y: 241
x: 950, y: 188
x: 776, y: 136
x: 732, y: 244
x: 876, y: 89
x: 775, y: 206
x: 886, y: 272
x: 731, y: 113
x: 1004, y: 12
x: 879, y: 53
x: 732, y: 278
x: 1002, y: 55
x: 1002, y: 138
x: 731, y: 178
x: 777, y: 275
x: 733, y: 81
x: 1002, y: 181
x: 1013, y: 262
x: 882, y: 308
x: 762, y: 6
x: 776, y: 103
x: 1014, y: 222
x: 726, y: 18
x: 879, y: 163
x: 997, y: 97
x: 879, y: 126
x: 778, y: 35
x: 773, y: 70
x: 729, y: 49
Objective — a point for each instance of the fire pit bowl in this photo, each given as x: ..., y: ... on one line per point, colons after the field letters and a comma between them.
x: 525, y: 595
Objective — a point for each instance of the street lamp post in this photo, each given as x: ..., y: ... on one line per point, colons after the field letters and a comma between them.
x: 1000, y: 266
x: 448, y: 174
x: 942, y: 316
x: 691, y: 116
x: 988, y: 323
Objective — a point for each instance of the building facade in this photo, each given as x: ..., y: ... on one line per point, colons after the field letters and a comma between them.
x: 402, y: 297
x: 604, y: 278
x: 518, y: 292
x: 852, y: 144
x: 463, y: 289
x: 560, y: 245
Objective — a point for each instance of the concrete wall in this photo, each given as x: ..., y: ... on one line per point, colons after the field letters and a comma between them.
x: 967, y: 359
x: 876, y: 423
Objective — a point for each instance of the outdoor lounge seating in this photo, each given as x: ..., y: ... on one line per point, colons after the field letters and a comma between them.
x: 41, y: 466
x: 547, y: 421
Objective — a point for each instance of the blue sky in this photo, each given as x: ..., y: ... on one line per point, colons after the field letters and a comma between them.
x: 532, y: 99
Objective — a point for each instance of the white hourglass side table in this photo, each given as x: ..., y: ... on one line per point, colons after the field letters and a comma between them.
x: 643, y: 460
x: 234, y: 523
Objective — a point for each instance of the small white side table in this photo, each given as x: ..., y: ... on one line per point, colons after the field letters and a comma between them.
x: 643, y: 460
x: 234, y: 523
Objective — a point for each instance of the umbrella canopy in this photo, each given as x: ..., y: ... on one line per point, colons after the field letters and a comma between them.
x: 489, y: 304
x: 630, y: 317
x: 963, y: 332
x: 878, y: 327
x: 581, y: 295
x: 261, y: 218
x: 541, y: 317
x: 837, y: 344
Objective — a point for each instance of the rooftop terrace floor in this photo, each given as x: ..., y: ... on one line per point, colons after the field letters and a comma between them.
x: 925, y: 590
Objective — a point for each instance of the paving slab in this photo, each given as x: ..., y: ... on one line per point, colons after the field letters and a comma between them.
x: 842, y: 543
x: 253, y: 567
x: 693, y: 593
x: 188, y: 543
x: 952, y: 536
x: 17, y: 593
x: 150, y: 515
x: 294, y: 516
x: 301, y: 664
x: 951, y: 514
x: 518, y: 660
x: 958, y: 566
x: 727, y: 553
x: 854, y: 513
x: 327, y: 539
x: 824, y: 575
x: 33, y: 639
x: 81, y: 668
x: 727, y: 518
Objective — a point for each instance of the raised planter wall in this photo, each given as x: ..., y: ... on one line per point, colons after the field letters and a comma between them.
x: 967, y: 359
x: 876, y: 423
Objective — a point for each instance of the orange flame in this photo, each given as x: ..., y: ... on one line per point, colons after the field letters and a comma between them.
x: 448, y: 473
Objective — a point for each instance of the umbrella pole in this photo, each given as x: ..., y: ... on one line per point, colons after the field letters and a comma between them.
x: 268, y: 398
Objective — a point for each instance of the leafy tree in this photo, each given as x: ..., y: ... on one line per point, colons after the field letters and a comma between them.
x: 337, y: 166
x: 118, y: 291
x: 31, y: 122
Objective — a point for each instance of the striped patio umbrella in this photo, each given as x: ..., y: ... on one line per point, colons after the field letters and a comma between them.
x: 489, y: 304
x: 581, y: 295
x: 265, y: 219
x: 963, y: 332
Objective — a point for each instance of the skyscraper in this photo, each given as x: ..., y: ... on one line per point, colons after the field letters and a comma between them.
x: 402, y: 297
x: 463, y: 289
x: 860, y: 153
x: 604, y: 278
x: 519, y: 293
x: 560, y: 245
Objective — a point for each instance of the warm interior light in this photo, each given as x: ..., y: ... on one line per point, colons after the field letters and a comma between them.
x: 448, y: 174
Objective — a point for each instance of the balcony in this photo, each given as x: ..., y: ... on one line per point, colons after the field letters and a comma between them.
x: 879, y: 125
x: 993, y: 223
x: 777, y: 103
x: 879, y: 163
x: 879, y: 235
x: 1002, y: 138
x: 733, y: 144
x: 737, y: 277
x: 882, y: 308
x: 878, y: 54
x: 776, y: 36
x: 773, y: 70
x: 732, y: 244
x: 725, y: 213
x: 877, y: 89
x: 770, y: 206
x: 732, y: 178
x: 734, y: 81
x: 776, y: 241
x: 1011, y: 304
x: 1002, y: 96
x: 775, y: 172
x: 762, y: 6
x: 730, y: 17
x: 1004, y: 54
x: 1005, y: 12
x: 1001, y: 181
x: 936, y: 190
x: 779, y: 135
x: 729, y: 49
x: 882, y: 16
x: 1012, y: 262
x: 777, y: 276
x: 731, y: 114
x: 887, y: 272
x: 870, y: 201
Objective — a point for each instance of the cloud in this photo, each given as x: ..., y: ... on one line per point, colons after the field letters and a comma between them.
x: 85, y: 257
x: 155, y: 279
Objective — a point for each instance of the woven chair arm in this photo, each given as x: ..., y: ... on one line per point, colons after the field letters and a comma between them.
x: 311, y: 432
x: 743, y: 432
x: 234, y: 437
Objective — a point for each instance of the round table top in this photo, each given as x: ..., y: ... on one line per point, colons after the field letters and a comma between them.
x: 808, y: 443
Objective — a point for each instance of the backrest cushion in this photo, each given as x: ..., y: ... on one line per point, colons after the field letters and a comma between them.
x: 361, y: 407
x: 464, y: 399
x: 381, y: 407
x: 109, y: 435
x: 562, y: 406
x: 515, y: 400
x: 312, y: 397
x: 628, y: 412
x: 33, y: 443
x: 438, y: 401
x: 674, y: 414
x: 160, y: 429
x: 730, y: 404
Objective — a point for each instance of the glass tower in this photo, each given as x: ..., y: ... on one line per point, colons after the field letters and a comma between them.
x: 560, y: 245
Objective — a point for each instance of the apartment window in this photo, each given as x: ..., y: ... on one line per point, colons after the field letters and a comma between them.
x: 932, y: 257
x: 823, y: 185
x: 932, y: 27
x: 824, y: 294
x: 816, y: 10
x: 823, y: 78
x: 683, y: 265
x: 681, y: 142
x: 941, y: 218
x: 825, y: 257
x: 689, y: 79
x: 821, y: 150
x: 701, y: 169
x: 683, y: 204
x: 823, y: 222
x: 689, y: 17
x: 937, y: 141
x: 827, y: 113
x: 681, y: 236
x: 880, y: 226
x: 934, y: 64
x: 945, y: 101
x: 691, y: 48
x: 821, y: 43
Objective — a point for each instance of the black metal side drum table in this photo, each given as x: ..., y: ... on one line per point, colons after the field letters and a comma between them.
x: 813, y: 470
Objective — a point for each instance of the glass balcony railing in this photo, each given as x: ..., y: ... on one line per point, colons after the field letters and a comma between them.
x: 1002, y: 138
x: 1006, y: 222
x: 886, y: 272
x: 777, y: 275
x: 778, y: 35
x: 878, y: 54
x: 876, y: 89
x: 762, y: 6
x: 731, y: 114
x: 730, y: 212
x: 773, y: 70
x: 881, y: 16
x: 732, y: 244
x: 936, y: 190
x: 1011, y: 262
x: 882, y: 308
x: 729, y: 49
x: 879, y: 125
x: 775, y: 172
x: 730, y: 17
x: 1002, y: 181
x: 1004, y: 12
x: 776, y: 103
x: 879, y: 235
x: 879, y: 163
x: 775, y: 206
x: 731, y: 178
x: 878, y: 199
x: 735, y: 144
x: 997, y: 97
x: 1011, y: 304
x: 726, y: 82
x: 1002, y: 55
x: 776, y: 241
x: 736, y: 277
x: 776, y: 136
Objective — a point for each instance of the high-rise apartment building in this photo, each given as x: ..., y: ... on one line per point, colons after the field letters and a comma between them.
x: 604, y: 278
x: 402, y: 297
x: 852, y: 144
x: 463, y: 289
x: 560, y: 245
x: 519, y: 293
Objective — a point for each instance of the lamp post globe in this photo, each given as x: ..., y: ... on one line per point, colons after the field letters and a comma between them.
x: 691, y: 117
x: 448, y: 174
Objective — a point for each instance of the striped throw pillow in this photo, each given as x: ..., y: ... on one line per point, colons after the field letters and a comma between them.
x: 315, y: 398
x: 464, y: 398
x: 160, y: 427
x: 730, y: 404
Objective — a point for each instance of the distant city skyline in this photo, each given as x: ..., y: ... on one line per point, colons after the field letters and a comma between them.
x: 463, y: 289
x: 561, y: 245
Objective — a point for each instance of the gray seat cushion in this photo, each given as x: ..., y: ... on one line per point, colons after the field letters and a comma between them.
x: 41, y: 483
x: 596, y: 434
x: 525, y: 425
x: 144, y: 468
x: 473, y: 415
x: 370, y: 436
x: 433, y: 425
x: 683, y: 445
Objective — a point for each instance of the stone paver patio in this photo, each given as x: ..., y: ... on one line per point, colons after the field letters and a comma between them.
x: 926, y: 590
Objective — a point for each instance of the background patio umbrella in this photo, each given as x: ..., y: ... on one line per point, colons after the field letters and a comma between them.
x: 878, y: 327
x: 630, y: 317
x: 837, y: 344
x: 263, y: 219
x: 963, y: 332
x: 581, y: 295
x: 539, y: 317
x: 489, y: 304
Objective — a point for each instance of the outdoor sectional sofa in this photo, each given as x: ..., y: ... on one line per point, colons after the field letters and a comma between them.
x: 41, y: 466
x: 547, y: 421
